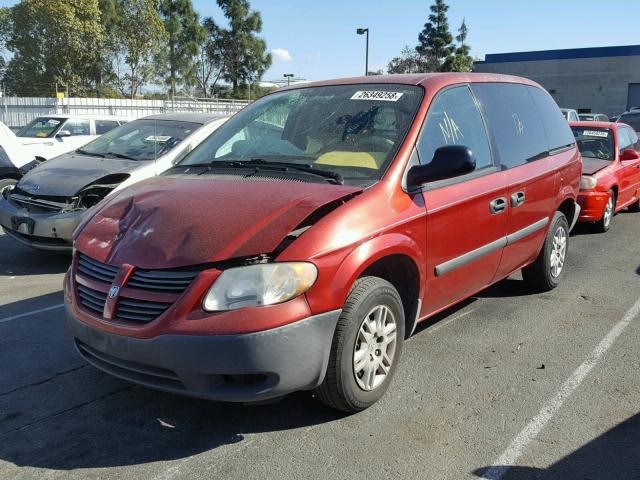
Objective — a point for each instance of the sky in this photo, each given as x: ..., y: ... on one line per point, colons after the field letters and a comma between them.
x: 317, y: 40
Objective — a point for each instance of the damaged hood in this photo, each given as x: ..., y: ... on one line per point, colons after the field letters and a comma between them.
x: 593, y: 165
x: 66, y: 175
x: 175, y: 222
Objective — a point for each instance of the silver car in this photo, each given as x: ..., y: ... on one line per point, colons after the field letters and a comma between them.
x: 43, y: 209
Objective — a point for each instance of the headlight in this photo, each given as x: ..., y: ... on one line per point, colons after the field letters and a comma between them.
x: 258, y: 285
x: 587, y: 182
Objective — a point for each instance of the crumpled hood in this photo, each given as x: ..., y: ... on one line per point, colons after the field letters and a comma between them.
x: 174, y: 222
x: 66, y: 175
x: 592, y: 165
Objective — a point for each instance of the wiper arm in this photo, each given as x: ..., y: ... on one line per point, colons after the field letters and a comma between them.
x: 84, y: 152
x: 121, y: 155
x: 260, y: 163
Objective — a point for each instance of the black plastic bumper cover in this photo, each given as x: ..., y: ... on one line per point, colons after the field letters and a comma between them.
x: 239, y: 368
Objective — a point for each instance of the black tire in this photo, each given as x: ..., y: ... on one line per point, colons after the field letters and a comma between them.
x: 604, y: 224
x: 340, y: 389
x: 634, y: 207
x: 539, y: 274
x: 5, y: 182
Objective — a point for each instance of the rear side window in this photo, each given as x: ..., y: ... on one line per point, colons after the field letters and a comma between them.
x: 103, y: 126
x: 514, y: 122
x: 454, y: 119
x: 555, y: 126
x: 627, y: 138
x: 77, y: 127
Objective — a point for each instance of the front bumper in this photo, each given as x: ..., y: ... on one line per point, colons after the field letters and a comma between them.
x: 238, y: 368
x: 45, y: 231
x: 592, y: 204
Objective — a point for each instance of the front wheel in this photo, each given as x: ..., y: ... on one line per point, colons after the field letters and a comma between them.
x: 545, y: 272
x: 604, y: 223
x: 366, y: 347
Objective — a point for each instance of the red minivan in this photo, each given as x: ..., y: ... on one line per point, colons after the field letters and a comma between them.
x: 298, y: 246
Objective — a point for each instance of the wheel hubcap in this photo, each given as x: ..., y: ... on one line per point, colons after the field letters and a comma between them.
x: 375, y: 348
x: 608, y: 212
x: 559, y: 251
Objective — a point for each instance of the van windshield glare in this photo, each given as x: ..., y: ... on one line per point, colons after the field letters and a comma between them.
x: 351, y: 130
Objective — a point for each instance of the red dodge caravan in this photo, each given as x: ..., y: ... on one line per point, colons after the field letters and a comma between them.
x: 298, y: 246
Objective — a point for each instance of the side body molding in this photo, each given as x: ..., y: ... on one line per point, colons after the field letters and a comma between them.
x: 502, y: 242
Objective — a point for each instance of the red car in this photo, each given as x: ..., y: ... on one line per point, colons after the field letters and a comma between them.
x: 298, y: 246
x: 610, y: 171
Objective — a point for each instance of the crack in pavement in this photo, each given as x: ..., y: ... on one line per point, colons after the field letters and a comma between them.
x: 80, y: 405
x: 42, y: 382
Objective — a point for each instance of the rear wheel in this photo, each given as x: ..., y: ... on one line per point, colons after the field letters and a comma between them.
x: 604, y: 223
x: 545, y: 272
x: 366, y: 347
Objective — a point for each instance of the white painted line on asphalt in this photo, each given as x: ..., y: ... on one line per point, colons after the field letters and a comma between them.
x: 531, y: 431
x: 33, y: 312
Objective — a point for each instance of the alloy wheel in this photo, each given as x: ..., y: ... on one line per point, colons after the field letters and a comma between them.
x: 375, y: 347
x: 558, y: 251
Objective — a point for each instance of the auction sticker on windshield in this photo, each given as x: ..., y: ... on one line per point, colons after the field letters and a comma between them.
x: 595, y: 133
x: 158, y: 138
x: 376, y: 95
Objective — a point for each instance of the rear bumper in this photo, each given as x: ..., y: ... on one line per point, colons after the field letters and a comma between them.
x: 592, y: 204
x: 44, y: 231
x: 238, y: 368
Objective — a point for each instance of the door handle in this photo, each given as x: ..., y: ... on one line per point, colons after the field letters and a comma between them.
x: 517, y: 199
x: 498, y: 205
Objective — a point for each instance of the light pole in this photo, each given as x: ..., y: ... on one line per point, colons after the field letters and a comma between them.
x: 362, y: 31
x: 288, y: 76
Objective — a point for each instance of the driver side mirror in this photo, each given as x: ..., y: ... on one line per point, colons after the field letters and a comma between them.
x: 448, y: 162
x: 629, y: 154
x: 63, y: 133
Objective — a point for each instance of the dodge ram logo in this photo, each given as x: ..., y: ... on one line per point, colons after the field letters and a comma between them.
x: 114, y: 291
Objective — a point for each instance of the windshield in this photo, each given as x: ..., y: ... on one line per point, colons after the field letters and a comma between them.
x: 351, y: 131
x: 41, y: 127
x: 141, y: 139
x: 595, y: 142
x: 631, y: 119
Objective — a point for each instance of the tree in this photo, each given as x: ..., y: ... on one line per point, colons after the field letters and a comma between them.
x: 410, y: 61
x: 139, y: 33
x: 246, y: 58
x: 53, y: 41
x: 210, y: 64
x: 461, y: 61
x: 184, y: 37
x: 435, y: 39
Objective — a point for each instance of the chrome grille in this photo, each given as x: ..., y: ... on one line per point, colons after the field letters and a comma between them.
x: 92, y: 299
x: 96, y: 270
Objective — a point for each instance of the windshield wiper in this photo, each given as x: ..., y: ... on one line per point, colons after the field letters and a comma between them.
x: 91, y: 154
x: 121, y: 155
x: 261, y: 164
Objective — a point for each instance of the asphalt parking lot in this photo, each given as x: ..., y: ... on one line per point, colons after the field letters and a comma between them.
x: 547, y: 383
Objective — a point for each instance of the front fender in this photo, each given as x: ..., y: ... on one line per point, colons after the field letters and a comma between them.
x: 334, y: 284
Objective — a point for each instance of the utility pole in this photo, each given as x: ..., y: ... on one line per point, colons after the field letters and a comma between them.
x: 362, y: 31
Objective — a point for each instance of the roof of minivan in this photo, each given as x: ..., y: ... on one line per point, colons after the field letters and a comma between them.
x: 201, y: 118
x: 427, y: 80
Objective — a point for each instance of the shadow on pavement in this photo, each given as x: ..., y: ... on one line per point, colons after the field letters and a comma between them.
x: 509, y: 287
x: 31, y: 304
x: 19, y: 260
x: 613, y: 455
